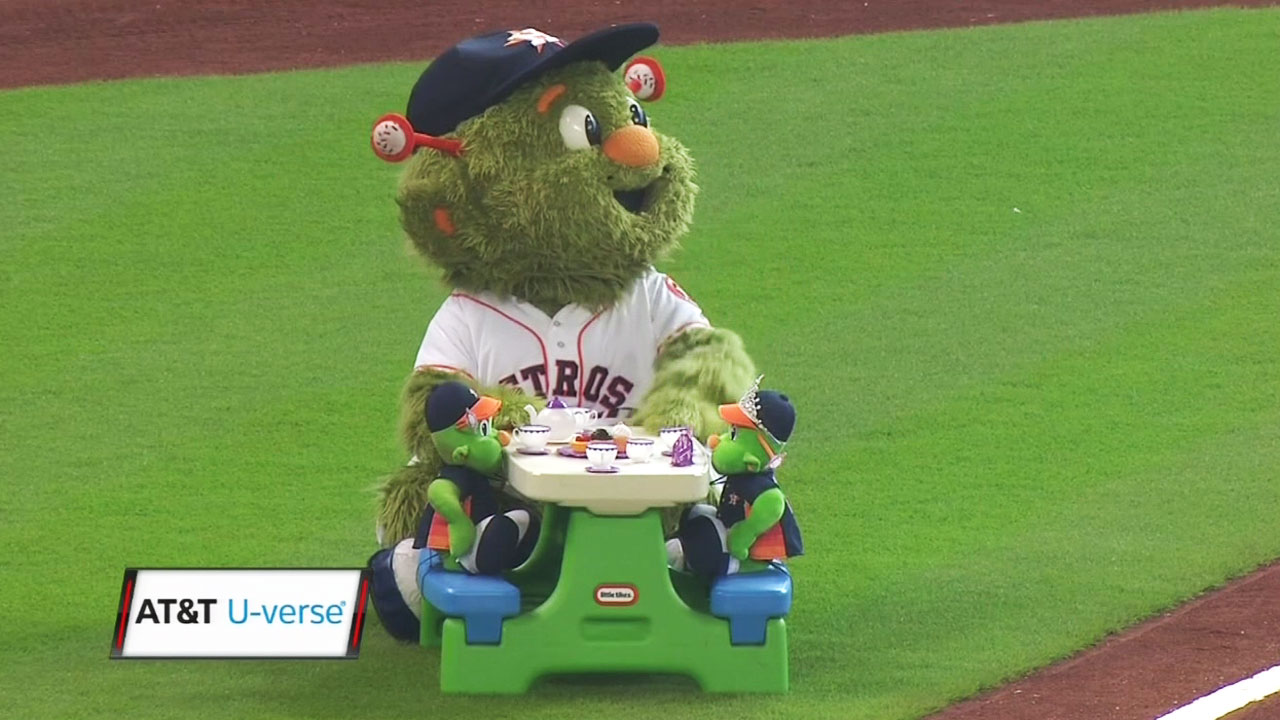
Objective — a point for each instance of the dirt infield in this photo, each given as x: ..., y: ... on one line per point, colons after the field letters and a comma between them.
x: 62, y: 41
x: 1162, y: 664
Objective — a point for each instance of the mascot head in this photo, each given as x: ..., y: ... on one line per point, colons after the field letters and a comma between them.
x: 535, y: 171
x: 759, y: 426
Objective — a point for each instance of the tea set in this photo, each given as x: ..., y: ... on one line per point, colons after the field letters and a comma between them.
x: 560, y: 424
x: 557, y: 422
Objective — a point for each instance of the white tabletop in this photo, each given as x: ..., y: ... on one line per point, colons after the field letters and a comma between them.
x: 636, y: 487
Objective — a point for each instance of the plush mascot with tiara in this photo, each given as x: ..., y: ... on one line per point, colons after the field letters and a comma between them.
x: 539, y: 186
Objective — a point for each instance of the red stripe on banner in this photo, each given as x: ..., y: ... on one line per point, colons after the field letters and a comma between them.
x: 124, y: 616
x: 364, y: 594
x: 582, y: 366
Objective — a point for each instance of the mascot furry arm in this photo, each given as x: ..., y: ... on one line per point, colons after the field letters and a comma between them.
x: 693, y: 375
x: 549, y: 195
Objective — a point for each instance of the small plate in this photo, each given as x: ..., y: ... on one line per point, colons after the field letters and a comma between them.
x: 603, y: 471
x: 522, y: 451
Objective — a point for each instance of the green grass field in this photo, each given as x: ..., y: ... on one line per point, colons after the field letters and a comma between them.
x: 1022, y: 281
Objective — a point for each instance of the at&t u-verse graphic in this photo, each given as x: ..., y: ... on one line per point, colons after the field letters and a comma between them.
x: 191, y: 611
x: 259, y: 613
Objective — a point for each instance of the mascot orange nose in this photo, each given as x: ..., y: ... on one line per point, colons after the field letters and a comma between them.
x: 713, y: 441
x: 633, y: 146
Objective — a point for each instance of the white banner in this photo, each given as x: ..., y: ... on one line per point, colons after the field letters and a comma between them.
x: 267, y: 613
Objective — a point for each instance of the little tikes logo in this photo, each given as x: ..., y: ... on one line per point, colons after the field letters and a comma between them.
x: 240, y: 613
x: 620, y: 595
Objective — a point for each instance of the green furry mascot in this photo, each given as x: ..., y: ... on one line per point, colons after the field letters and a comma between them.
x: 537, y: 183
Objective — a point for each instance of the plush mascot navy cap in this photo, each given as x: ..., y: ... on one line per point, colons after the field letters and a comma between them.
x: 777, y: 414
x: 482, y: 71
x: 447, y: 403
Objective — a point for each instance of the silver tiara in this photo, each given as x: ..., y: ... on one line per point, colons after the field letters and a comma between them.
x: 750, y: 403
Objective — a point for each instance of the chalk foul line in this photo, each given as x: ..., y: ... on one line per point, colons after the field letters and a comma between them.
x: 1230, y: 698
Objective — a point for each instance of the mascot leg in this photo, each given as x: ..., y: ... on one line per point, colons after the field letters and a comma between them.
x: 396, y: 598
x: 701, y: 545
x: 502, y: 542
x: 529, y: 535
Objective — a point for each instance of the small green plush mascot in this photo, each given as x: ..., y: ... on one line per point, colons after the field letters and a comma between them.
x: 538, y: 185
x: 754, y: 524
x: 462, y: 519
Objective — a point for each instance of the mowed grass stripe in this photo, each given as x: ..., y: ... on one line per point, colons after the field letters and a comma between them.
x: 1020, y: 430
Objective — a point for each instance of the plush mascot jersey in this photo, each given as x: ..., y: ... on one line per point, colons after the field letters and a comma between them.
x: 602, y: 360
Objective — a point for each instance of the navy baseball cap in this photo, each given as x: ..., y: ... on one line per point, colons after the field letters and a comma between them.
x: 777, y: 414
x: 448, y: 403
x: 767, y: 410
x: 482, y: 71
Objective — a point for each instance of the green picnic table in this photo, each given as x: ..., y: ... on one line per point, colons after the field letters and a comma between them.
x: 596, y: 596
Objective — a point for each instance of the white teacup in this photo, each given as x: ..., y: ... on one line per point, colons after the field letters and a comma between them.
x: 668, y: 435
x: 533, y: 437
x: 602, y: 453
x: 640, y: 449
x: 582, y: 417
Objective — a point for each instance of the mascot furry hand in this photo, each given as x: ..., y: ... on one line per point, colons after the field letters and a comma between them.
x: 537, y: 184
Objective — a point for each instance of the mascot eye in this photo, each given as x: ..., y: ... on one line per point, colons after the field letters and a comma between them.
x: 733, y: 433
x: 485, y: 425
x: 638, y: 115
x: 578, y: 128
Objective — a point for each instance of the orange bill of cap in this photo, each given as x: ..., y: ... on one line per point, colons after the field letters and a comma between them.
x: 485, y: 408
x: 732, y: 412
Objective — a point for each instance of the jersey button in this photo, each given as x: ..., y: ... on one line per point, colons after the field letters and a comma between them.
x: 560, y: 344
x: 556, y: 323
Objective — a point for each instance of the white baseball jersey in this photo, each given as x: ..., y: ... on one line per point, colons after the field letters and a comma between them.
x: 600, y: 360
